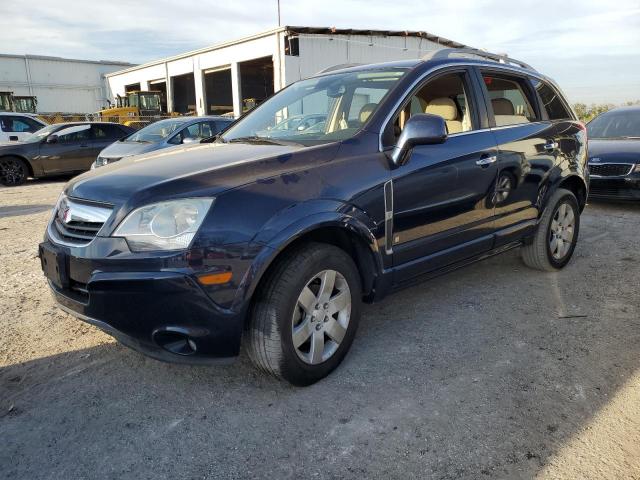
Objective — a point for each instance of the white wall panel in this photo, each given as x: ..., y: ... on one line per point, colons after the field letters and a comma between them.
x: 318, y: 52
x: 61, y: 85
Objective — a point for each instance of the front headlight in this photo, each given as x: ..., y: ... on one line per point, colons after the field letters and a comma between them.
x: 167, y: 225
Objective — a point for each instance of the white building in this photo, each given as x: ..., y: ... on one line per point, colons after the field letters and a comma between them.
x: 61, y: 85
x: 228, y: 76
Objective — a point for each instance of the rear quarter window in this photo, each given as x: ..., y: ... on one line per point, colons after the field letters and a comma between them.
x: 551, y: 101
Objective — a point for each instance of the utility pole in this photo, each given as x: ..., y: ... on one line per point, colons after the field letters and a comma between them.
x: 278, y: 12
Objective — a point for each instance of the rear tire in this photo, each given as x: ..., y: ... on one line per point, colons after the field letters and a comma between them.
x: 305, y: 314
x: 13, y: 171
x: 557, y: 234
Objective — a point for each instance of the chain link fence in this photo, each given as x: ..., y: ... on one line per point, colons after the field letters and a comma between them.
x: 137, y: 121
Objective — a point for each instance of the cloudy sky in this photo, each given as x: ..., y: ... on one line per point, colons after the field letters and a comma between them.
x: 591, y: 47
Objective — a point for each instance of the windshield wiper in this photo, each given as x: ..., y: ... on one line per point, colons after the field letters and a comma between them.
x: 254, y: 139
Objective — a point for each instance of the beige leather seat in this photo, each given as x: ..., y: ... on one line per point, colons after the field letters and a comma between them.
x: 366, y: 111
x: 445, y: 108
x: 505, y: 114
x: 502, y: 106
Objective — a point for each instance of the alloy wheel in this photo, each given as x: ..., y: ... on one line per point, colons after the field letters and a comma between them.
x: 503, y: 189
x: 321, y: 317
x: 562, y: 231
x: 11, y: 172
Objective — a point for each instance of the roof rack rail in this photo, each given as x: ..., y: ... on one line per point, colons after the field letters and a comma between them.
x: 448, y: 52
x: 339, y: 66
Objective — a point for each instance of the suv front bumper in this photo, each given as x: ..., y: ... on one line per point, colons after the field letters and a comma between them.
x: 164, y: 314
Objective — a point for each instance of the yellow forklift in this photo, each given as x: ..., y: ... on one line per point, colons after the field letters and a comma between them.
x: 6, y: 101
x: 134, y: 108
x: 21, y: 104
x: 25, y: 103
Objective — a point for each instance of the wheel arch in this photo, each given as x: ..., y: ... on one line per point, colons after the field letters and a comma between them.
x: 23, y: 159
x: 342, y: 231
x: 578, y: 186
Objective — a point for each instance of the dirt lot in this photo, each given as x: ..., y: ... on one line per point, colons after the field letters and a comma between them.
x: 495, y: 371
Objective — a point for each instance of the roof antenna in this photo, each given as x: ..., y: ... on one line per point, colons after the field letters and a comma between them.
x: 278, y: 12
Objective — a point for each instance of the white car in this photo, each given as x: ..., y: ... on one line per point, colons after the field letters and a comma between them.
x: 16, y: 126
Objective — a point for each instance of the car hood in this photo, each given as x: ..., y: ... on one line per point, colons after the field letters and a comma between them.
x: 194, y: 170
x: 626, y: 151
x: 125, y: 149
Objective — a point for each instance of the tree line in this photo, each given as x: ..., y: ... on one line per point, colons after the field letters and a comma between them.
x: 587, y: 112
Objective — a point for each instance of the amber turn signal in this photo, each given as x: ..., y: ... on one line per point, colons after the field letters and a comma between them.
x: 215, y: 278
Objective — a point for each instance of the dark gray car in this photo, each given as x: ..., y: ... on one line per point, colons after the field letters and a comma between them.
x: 163, y: 134
x: 57, y: 149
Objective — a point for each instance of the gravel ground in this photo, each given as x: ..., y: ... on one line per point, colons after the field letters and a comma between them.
x: 494, y: 371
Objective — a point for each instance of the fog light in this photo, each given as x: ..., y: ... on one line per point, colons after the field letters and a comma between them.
x: 175, y: 342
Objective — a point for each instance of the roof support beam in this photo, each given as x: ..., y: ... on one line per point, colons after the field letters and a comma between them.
x: 236, y: 89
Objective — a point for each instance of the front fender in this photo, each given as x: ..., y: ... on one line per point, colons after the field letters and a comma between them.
x: 295, y: 220
x: 288, y: 226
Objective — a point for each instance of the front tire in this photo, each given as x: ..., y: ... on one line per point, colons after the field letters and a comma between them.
x: 13, y: 171
x: 305, y: 315
x: 557, y: 234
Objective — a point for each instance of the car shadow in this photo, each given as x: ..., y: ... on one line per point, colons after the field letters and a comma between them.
x: 486, y: 372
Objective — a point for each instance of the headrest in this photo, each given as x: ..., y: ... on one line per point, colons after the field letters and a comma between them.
x: 502, y: 106
x: 366, y: 111
x: 443, y: 107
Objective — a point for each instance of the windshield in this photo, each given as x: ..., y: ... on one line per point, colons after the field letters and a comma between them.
x: 149, y: 101
x: 615, y: 124
x: 5, y: 102
x: 156, y: 131
x: 133, y: 99
x: 317, y: 110
x: 42, y: 133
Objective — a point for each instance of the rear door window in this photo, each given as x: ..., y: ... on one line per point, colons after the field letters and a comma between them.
x: 510, y: 100
x: 551, y: 101
x: 107, y: 132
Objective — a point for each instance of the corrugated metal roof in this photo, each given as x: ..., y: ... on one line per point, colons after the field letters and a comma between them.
x: 62, y: 59
x: 300, y: 30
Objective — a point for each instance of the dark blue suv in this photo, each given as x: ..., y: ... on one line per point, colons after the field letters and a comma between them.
x: 418, y: 168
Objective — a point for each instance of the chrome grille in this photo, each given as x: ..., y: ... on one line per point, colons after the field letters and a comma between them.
x: 610, y: 169
x: 77, y: 231
x: 76, y: 222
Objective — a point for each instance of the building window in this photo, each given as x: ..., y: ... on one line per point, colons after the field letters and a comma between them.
x: 292, y: 46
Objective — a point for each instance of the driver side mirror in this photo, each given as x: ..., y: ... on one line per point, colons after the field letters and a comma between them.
x: 420, y: 129
x: 53, y: 138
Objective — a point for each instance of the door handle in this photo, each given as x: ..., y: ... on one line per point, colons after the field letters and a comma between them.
x: 551, y: 146
x: 486, y: 160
